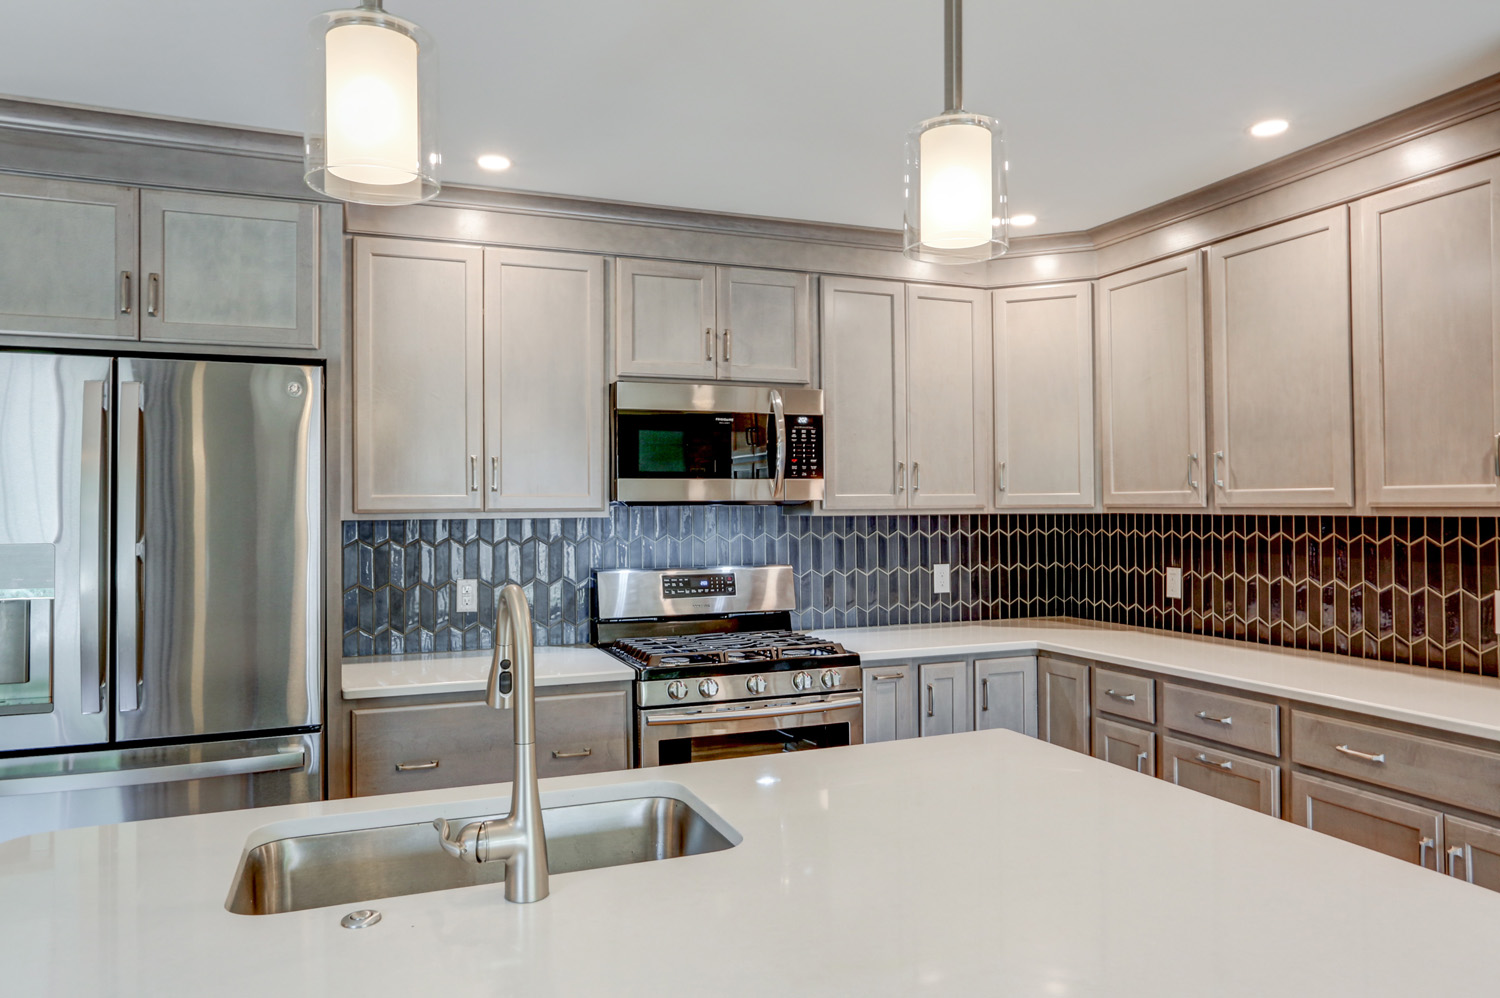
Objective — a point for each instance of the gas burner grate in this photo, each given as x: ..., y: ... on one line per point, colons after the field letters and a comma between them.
x: 731, y: 648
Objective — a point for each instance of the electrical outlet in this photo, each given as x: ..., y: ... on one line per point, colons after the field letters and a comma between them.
x: 468, y: 596
x: 1174, y: 583
x: 941, y: 579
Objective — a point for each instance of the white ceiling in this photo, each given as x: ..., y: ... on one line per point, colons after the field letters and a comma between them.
x: 798, y: 108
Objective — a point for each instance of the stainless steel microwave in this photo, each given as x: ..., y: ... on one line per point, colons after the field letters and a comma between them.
x: 677, y: 443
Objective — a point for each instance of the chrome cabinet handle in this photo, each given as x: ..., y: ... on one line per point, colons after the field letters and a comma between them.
x: 153, y: 296
x: 778, y: 416
x: 1218, y: 456
x: 916, y: 476
x: 1204, y: 715
x: 708, y: 343
x: 1422, y: 847
x: 494, y: 474
x: 1222, y: 764
x: 125, y: 296
x: 1140, y: 761
x: 473, y: 472
x: 93, y: 492
x: 1001, y: 470
x: 1192, y: 478
x: 728, y: 344
x: 985, y: 690
x: 1455, y: 855
x: 1367, y: 757
x: 900, y: 476
x: 1497, y: 455
x: 130, y: 547
x: 581, y: 754
x: 881, y: 679
x: 1127, y: 697
x: 929, y: 699
x: 407, y: 767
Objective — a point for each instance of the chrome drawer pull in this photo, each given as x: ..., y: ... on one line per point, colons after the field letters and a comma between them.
x: 1367, y: 757
x: 1204, y: 715
x: 881, y: 679
x: 407, y: 767
x: 1422, y: 848
x: 1226, y: 764
x: 1127, y: 697
x: 929, y: 699
x: 1455, y: 855
x: 573, y: 755
x: 1138, y: 761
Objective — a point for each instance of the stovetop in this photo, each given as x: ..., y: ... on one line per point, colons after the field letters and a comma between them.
x: 737, y: 651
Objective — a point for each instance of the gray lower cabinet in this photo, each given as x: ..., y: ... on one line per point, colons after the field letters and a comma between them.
x: 1472, y: 851
x: 943, y: 692
x: 1123, y: 745
x: 890, y: 702
x: 1005, y: 694
x: 1385, y: 824
x: 1228, y: 776
x: 1063, y: 703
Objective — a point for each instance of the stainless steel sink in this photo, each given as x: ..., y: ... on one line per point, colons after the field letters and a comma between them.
x: 310, y: 871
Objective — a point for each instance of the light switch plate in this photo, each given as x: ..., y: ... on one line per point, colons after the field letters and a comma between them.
x: 468, y: 596
x: 941, y: 579
x: 1174, y: 583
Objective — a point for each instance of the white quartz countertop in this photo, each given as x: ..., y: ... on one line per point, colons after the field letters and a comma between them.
x: 465, y: 671
x: 983, y: 863
x: 1461, y: 704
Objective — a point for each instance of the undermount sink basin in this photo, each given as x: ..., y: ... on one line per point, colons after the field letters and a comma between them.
x: 362, y: 864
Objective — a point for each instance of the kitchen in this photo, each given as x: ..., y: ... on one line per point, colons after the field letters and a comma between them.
x: 1192, y: 495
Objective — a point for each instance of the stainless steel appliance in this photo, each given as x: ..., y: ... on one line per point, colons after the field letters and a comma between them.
x: 719, y: 672
x: 677, y: 443
x: 159, y: 575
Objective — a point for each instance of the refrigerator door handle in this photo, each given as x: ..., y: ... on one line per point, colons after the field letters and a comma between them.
x: 179, y: 772
x: 130, y: 561
x: 92, y: 573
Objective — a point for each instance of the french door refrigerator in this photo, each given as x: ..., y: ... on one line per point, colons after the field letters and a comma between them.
x: 160, y: 624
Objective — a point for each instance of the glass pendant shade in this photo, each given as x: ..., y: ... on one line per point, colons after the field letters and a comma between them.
x: 371, y: 132
x: 956, y: 209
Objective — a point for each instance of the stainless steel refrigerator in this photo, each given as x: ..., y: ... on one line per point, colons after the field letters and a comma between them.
x: 160, y: 623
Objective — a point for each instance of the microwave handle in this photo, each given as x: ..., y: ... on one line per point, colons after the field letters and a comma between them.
x: 778, y: 490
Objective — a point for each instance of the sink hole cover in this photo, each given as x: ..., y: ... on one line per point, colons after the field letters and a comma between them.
x: 360, y: 919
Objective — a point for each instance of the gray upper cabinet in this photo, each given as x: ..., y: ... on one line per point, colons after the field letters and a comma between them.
x: 68, y: 259
x: 864, y: 393
x: 228, y: 270
x: 765, y: 320
x: 1151, y: 389
x: 890, y: 702
x: 1063, y: 703
x: 1427, y: 339
x: 943, y: 689
x: 948, y: 397
x: 1044, y: 396
x: 417, y: 367
x: 1279, y: 322
x: 1005, y: 694
x: 544, y: 391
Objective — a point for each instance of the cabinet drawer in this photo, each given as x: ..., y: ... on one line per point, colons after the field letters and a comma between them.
x: 1219, y: 717
x: 1384, y: 824
x: 420, y: 748
x: 582, y: 733
x: 1234, y: 778
x: 1125, y: 746
x: 1425, y: 767
x: 1125, y: 695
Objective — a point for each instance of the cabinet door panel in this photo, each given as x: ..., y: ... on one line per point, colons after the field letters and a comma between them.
x: 1225, y: 775
x: 1384, y: 824
x: 418, y: 376
x: 229, y: 270
x: 1005, y: 694
x: 890, y: 702
x: 1426, y: 322
x: 68, y: 259
x: 1063, y: 703
x: 948, y: 401
x: 1151, y: 384
x: 864, y: 387
x: 1283, y: 411
x: 1044, y: 396
x: 1473, y: 851
x: 766, y: 322
x: 1124, y: 746
x: 544, y: 380
x: 665, y: 324
x: 944, y: 698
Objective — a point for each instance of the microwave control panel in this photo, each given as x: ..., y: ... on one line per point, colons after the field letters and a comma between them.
x: 804, y: 457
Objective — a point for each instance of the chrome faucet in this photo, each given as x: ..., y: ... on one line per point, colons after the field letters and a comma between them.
x: 519, y: 838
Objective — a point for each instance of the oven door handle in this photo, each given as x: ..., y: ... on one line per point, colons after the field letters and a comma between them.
x: 778, y: 412
x: 679, y: 717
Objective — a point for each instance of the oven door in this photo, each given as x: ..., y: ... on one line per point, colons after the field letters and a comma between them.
x: 669, y: 735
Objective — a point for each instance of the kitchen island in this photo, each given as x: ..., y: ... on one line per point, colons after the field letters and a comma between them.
x: 972, y: 864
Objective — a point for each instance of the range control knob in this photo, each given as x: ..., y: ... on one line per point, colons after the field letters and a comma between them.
x: 756, y: 684
x: 677, y: 689
x: 709, y: 688
x: 831, y: 678
x: 802, y: 681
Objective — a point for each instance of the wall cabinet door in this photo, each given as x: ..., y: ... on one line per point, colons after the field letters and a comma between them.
x: 948, y: 397
x: 418, y: 376
x: 1374, y: 821
x: 1123, y: 745
x: 1225, y: 775
x: 943, y: 689
x: 67, y: 259
x: 544, y: 381
x: 890, y: 702
x: 765, y: 318
x: 1063, y: 703
x: 1473, y: 851
x: 1279, y: 322
x: 1427, y: 339
x: 864, y: 394
x: 1044, y: 396
x: 665, y: 323
x: 1151, y: 384
x: 229, y: 270
x: 1004, y: 694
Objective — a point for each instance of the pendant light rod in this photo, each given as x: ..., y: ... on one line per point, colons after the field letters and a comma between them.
x: 953, y: 56
x: 372, y: 5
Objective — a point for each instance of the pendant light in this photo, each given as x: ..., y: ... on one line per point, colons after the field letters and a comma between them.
x: 956, y: 210
x: 371, y: 132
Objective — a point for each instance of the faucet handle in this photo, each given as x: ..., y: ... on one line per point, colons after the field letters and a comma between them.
x: 465, y: 845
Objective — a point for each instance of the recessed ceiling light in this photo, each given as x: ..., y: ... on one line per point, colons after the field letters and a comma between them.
x: 492, y: 161
x: 1266, y: 129
x: 1023, y: 220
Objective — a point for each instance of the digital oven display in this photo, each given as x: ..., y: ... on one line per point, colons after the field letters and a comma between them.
x: 699, y: 584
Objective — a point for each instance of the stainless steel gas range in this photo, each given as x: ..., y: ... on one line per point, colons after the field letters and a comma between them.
x: 720, y: 674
